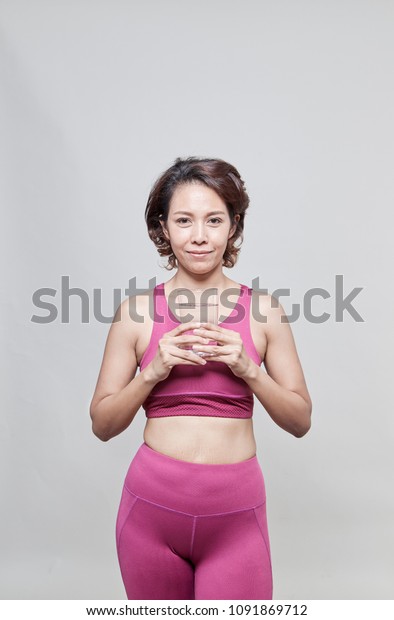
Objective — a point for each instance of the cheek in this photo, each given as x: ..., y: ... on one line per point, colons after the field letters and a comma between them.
x: 178, y: 237
x: 221, y: 237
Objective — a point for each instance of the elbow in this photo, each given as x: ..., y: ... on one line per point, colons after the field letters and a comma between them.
x: 301, y: 431
x: 305, y: 424
x: 98, y: 429
x: 100, y: 434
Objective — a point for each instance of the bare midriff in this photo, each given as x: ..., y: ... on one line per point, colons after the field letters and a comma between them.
x: 202, y: 439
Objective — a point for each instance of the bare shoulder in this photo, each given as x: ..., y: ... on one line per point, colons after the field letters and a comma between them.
x: 140, y: 309
x: 281, y: 360
x: 269, y: 323
x: 135, y: 311
x: 272, y: 311
x: 267, y: 310
x: 119, y: 362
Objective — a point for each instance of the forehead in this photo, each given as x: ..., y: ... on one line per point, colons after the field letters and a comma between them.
x: 196, y: 196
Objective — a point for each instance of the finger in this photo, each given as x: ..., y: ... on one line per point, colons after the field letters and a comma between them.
x: 186, y: 356
x: 206, y: 354
x: 190, y: 339
x: 184, y: 327
x: 209, y: 348
x: 211, y: 326
x: 213, y: 335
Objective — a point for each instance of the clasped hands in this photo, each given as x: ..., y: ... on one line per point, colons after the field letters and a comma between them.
x: 229, y: 348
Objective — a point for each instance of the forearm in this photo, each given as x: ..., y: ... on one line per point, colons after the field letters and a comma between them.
x: 287, y: 409
x: 115, y: 412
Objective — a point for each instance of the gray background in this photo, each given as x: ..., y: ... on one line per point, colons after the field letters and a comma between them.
x: 98, y: 98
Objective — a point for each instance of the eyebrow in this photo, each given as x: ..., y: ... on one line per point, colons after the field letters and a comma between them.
x: 188, y: 213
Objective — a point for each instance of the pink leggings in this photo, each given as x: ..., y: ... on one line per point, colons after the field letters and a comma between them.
x: 189, y: 531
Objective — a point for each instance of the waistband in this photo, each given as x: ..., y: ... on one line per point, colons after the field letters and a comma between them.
x: 195, y: 488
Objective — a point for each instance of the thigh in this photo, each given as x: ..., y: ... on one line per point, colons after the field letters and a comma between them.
x: 150, y: 543
x: 233, y: 556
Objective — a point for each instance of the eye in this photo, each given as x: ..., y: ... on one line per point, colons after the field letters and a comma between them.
x: 181, y: 220
x: 216, y: 219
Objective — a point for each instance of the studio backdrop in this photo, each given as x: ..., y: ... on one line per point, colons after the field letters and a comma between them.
x: 97, y: 99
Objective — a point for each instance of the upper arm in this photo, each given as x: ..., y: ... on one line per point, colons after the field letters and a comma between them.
x: 281, y: 358
x: 119, y: 362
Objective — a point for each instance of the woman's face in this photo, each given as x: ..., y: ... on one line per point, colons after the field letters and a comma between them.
x: 198, y: 227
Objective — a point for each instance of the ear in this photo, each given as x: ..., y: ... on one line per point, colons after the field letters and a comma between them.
x: 234, y: 226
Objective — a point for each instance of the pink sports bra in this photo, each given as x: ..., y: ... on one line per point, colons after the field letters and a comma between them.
x: 209, y: 390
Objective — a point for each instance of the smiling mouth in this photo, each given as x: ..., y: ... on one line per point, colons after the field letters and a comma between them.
x: 199, y: 253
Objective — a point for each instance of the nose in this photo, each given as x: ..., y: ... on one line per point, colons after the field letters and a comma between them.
x: 199, y: 233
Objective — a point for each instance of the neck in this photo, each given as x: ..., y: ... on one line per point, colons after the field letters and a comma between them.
x: 218, y: 281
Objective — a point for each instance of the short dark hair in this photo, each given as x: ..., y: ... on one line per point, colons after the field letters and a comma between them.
x: 217, y: 174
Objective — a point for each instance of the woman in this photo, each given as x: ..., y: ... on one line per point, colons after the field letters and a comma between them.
x: 192, y: 518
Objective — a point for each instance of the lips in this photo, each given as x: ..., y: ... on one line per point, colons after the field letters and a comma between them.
x: 199, y: 253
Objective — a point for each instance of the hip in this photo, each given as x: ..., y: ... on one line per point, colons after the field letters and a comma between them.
x: 195, y: 488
